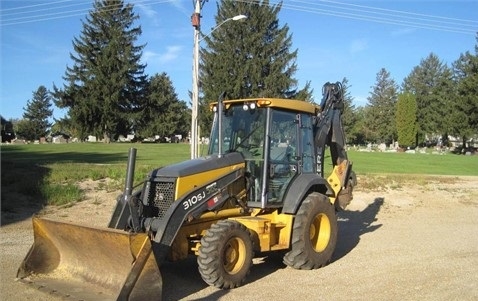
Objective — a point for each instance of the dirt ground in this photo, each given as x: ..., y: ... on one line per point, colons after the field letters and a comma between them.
x: 404, y: 242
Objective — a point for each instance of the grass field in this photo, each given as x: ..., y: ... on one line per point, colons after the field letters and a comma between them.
x: 403, y: 163
x: 49, y: 173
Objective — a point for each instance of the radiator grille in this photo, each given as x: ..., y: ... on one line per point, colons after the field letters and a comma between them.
x: 161, y: 196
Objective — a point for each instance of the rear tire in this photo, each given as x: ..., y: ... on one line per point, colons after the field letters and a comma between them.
x: 225, y: 255
x: 314, y: 235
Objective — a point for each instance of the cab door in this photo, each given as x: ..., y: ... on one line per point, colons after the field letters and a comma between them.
x: 284, y: 155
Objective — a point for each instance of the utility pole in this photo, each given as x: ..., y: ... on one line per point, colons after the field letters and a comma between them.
x: 196, y: 22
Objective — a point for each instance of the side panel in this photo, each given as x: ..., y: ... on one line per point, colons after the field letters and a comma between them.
x: 299, y: 188
x: 208, y: 197
x: 272, y: 231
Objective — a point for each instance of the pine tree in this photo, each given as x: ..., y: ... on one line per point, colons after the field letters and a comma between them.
x: 406, y: 119
x: 380, y: 113
x: 251, y: 58
x: 36, y: 115
x: 465, y: 107
x: 360, y: 130
x: 431, y: 83
x: 162, y: 113
x: 105, y: 85
x: 349, y: 117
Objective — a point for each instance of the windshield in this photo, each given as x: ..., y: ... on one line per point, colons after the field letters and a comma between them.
x: 242, y: 131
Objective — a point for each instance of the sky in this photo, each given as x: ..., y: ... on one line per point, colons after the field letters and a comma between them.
x: 334, y: 39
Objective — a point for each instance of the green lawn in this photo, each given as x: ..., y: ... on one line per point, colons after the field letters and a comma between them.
x: 96, y: 153
x: 49, y: 173
x: 403, y: 163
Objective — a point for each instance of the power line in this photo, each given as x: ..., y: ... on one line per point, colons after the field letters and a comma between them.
x: 22, y: 11
x: 56, y: 11
x: 391, y: 10
x: 404, y: 18
x: 379, y: 15
x: 34, y: 5
x: 61, y: 9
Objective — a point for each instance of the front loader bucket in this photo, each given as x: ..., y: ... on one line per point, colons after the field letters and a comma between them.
x: 91, y: 264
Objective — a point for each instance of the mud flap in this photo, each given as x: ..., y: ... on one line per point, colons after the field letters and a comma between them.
x: 85, y: 263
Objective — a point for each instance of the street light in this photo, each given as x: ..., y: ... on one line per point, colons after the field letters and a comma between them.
x: 235, y: 18
x: 195, y: 92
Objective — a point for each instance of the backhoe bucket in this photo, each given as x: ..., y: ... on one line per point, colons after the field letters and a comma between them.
x: 91, y: 264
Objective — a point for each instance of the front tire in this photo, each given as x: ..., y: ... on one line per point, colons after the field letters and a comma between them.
x: 314, y: 235
x: 225, y: 256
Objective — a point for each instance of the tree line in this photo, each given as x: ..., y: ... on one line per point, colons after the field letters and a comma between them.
x: 107, y: 93
x: 434, y: 102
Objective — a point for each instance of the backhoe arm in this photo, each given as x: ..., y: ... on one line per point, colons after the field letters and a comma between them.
x: 329, y: 131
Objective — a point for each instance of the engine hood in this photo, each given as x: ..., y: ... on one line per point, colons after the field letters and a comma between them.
x: 198, y: 165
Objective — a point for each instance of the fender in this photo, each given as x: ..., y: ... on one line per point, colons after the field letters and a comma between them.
x: 300, y: 187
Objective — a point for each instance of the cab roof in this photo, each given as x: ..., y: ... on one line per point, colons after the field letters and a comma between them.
x: 280, y: 103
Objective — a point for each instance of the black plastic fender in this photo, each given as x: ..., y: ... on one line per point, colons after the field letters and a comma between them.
x: 300, y: 187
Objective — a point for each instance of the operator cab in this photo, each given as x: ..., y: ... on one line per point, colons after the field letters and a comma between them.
x: 275, y: 139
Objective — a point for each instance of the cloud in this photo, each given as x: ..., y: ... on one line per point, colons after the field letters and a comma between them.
x: 403, y: 31
x: 171, y: 54
x: 147, y: 10
x: 358, y: 45
x: 178, y: 4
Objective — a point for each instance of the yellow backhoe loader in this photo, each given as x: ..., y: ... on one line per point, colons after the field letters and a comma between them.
x: 261, y: 188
